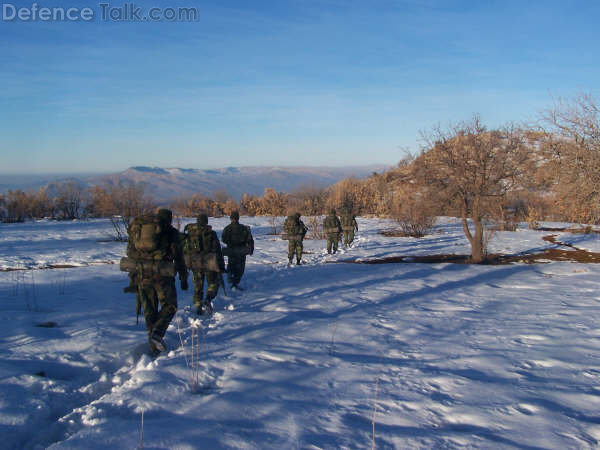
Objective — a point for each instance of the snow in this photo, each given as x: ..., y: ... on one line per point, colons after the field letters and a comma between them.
x: 589, y: 242
x: 313, y: 356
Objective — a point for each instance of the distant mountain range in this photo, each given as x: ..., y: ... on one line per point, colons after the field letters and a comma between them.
x: 169, y: 183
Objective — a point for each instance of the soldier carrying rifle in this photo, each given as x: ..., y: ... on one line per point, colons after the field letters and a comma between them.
x: 333, y: 229
x: 294, y: 231
x: 240, y: 243
x: 154, y: 256
x: 203, y: 256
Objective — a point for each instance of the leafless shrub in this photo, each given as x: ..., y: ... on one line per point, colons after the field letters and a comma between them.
x: 414, y: 213
x: 69, y: 200
x: 23, y: 283
x: 274, y: 225
x: 121, y: 203
x: 374, y: 418
x: 315, y: 228
x: 119, y: 224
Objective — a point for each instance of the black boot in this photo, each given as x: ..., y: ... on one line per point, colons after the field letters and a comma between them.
x: 157, y: 342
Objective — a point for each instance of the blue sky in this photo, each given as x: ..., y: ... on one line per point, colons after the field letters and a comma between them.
x: 280, y: 82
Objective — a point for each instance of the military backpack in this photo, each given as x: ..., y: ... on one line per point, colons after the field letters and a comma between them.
x: 330, y: 225
x: 292, y: 230
x: 239, y: 240
x: 200, y: 248
x: 347, y: 222
x: 145, y: 236
x: 199, y: 239
x: 144, y: 233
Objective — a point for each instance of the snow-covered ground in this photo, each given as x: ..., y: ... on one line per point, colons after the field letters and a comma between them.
x: 316, y: 356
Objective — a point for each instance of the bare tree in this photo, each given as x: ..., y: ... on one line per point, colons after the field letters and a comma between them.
x: 221, y: 196
x: 472, y: 169
x: 274, y: 203
x: 69, y: 200
x: 15, y: 204
x: 3, y: 211
x: 130, y: 200
x: 573, y: 150
x: 308, y: 200
x: 121, y: 202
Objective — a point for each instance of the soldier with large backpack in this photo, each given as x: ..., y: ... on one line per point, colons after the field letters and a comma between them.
x: 154, y: 256
x: 333, y: 229
x: 349, y: 227
x: 294, y: 231
x: 240, y: 243
x: 203, y: 256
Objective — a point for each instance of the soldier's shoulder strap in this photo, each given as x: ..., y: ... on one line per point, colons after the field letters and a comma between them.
x: 174, y: 233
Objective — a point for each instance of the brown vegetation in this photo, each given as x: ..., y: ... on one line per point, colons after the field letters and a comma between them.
x: 572, y: 148
x: 490, y: 178
x: 471, y: 169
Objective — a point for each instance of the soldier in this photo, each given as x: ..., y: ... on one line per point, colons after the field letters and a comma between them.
x: 152, y: 243
x: 349, y: 226
x: 333, y: 228
x: 240, y: 243
x: 205, y: 259
x: 295, y: 230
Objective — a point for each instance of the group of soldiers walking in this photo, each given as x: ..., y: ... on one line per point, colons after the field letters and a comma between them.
x: 335, y: 228
x: 157, y: 252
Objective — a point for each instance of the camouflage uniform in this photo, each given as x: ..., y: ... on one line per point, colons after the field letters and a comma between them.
x: 332, y: 222
x: 155, y: 290
x: 349, y: 226
x: 201, y: 302
x: 237, y: 237
x: 294, y: 226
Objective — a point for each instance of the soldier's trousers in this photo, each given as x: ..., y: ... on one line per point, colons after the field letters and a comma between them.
x: 348, y: 237
x: 332, y: 242
x: 212, y: 281
x: 295, y: 247
x: 236, y: 265
x: 154, y: 293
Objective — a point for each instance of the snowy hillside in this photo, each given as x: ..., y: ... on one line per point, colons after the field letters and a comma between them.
x: 165, y: 185
x: 171, y: 183
x: 326, y: 355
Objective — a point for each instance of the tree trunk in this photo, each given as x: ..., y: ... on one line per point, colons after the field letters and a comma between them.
x: 477, y: 250
x: 475, y: 239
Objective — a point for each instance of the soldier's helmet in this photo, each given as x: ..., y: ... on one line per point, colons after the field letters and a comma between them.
x: 202, y: 219
x: 165, y: 216
x: 297, y: 216
x: 235, y: 215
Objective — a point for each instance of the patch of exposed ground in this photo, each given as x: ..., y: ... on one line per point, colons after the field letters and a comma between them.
x: 56, y: 266
x: 572, y: 254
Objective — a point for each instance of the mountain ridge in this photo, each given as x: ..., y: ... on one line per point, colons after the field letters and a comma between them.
x: 174, y: 182
x: 168, y: 183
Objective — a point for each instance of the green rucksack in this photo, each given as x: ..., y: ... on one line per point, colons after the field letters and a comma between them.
x: 199, y: 239
x: 347, y: 221
x: 239, y: 235
x: 144, y: 232
x: 201, y: 249
x: 291, y: 227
